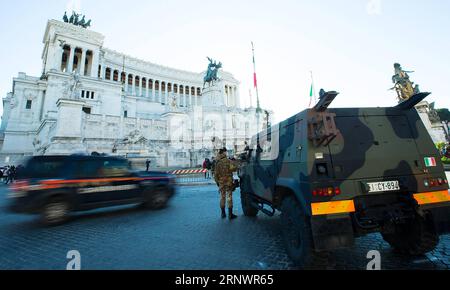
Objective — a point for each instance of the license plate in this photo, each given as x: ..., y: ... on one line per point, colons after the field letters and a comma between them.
x: 384, y: 186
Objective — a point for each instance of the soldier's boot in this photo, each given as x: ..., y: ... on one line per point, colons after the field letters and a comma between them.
x: 224, y: 214
x: 231, y: 216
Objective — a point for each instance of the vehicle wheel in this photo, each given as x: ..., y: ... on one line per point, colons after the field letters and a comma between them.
x: 414, y: 238
x: 297, y: 236
x: 247, y: 207
x: 55, y: 211
x: 156, y: 199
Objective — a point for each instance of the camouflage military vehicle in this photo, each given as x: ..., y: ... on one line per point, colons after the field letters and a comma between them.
x: 336, y: 174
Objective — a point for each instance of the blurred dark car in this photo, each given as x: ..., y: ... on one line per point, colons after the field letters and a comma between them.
x: 55, y: 186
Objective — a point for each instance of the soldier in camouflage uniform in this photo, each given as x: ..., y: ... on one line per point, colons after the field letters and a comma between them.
x: 224, y: 179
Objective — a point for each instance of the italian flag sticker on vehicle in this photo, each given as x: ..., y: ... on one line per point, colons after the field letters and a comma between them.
x: 430, y: 162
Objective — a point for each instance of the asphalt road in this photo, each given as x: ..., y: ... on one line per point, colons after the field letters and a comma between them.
x: 188, y: 234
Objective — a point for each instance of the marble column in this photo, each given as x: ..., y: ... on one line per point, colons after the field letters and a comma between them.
x: 83, y: 62
x: 195, y: 97
x: 163, y: 94
x: 103, y: 71
x: 59, y: 54
x: 139, y: 90
x: 153, y: 91
x: 94, y: 64
x: 126, y: 83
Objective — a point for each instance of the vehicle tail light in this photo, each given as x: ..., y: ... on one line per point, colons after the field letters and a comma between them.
x: 326, y: 191
x: 435, y: 182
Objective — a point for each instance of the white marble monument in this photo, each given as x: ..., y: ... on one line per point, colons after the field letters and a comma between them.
x: 94, y: 99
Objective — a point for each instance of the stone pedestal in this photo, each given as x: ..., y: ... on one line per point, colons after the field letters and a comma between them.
x: 179, y: 133
x: 213, y: 96
x: 67, y: 138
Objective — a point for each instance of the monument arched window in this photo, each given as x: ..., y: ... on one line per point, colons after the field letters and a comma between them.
x: 116, y: 76
x: 163, y: 86
x: 175, y: 89
x: 64, y: 61
x: 181, y: 90
x: 192, y: 91
x: 108, y: 73
x: 144, y: 86
x: 88, y: 62
x: 157, y: 85
x: 123, y: 77
x: 130, y: 80
x: 169, y: 87
x: 150, y: 84
x: 199, y: 92
x: 76, y: 60
x: 65, y: 58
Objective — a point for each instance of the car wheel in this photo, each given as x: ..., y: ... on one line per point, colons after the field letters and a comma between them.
x: 414, y: 238
x: 55, y: 211
x: 247, y: 207
x: 297, y: 236
x: 156, y: 199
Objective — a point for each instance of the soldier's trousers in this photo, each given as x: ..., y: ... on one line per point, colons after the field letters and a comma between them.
x: 226, y: 195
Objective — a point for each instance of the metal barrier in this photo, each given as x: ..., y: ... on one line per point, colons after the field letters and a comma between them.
x: 186, y: 176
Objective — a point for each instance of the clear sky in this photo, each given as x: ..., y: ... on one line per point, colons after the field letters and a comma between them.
x: 350, y: 45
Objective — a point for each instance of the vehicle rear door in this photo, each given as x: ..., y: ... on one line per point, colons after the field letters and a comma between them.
x: 373, y: 146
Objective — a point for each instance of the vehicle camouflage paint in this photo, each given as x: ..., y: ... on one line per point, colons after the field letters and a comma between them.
x: 340, y: 173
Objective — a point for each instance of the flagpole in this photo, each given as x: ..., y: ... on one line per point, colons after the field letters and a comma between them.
x: 314, y: 87
x: 258, y: 107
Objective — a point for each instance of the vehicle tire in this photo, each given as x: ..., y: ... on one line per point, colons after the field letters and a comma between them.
x: 247, y: 208
x: 297, y: 236
x: 414, y: 238
x: 55, y: 211
x: 156, y: 198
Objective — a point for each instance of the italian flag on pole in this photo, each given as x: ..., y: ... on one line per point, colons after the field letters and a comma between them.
x: 311, y: 92
x: 430, y: 161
